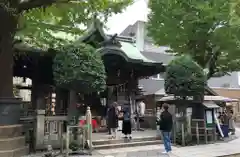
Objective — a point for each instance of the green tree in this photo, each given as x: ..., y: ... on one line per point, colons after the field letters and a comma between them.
x: 184, y: 77
x: 79, y: 68
x: 39, y: 22
x: 201, y: 29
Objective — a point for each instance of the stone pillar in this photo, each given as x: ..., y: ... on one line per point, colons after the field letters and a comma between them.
x: 40, y: 125
x: 89, y: 126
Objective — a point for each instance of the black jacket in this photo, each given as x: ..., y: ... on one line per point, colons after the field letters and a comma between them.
x: 166, y: 121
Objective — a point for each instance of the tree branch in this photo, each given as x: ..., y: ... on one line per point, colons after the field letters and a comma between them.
x: 31, y: 4
x: 212, y: 64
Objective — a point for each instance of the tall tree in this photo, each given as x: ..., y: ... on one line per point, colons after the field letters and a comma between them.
x: 184, y: 77
x: 38, y: 22
x: 202, y: 29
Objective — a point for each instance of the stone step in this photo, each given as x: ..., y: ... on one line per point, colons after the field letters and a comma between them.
x: 15, y: 153
x: 231, y: 155
x: 10, y: 131
x: 127, y: 144
x: 12, y: 143
x: 122, y: 140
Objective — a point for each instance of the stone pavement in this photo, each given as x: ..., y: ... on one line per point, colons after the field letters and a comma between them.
x: 141, y: 151
x: 209, y: 150
x: 136, y: 134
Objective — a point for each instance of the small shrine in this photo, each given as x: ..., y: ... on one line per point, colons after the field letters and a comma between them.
x: 196, y: 122
x: 124, y: 65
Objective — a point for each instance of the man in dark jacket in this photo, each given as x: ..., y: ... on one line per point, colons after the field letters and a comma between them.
x: 166, y: 123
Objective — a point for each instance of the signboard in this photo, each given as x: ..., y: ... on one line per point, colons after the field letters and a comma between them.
x: 209, y: 118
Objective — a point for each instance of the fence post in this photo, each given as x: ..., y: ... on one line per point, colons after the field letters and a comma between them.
x: 89, y: 126
x: 197, y: 132
x: 183, y: 135
x: 40, y: 126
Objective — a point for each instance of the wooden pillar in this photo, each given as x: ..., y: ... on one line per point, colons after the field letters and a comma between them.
x: 61, y: 101
x: 72, y: 108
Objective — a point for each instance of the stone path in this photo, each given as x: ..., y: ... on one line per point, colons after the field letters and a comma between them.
x: 136, y: 134
x: 209, y: 150
x: 141, y: 151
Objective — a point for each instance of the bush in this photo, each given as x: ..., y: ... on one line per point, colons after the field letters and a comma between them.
x: 184, y: 77
x: 80, y: 68
x: 74, y: 146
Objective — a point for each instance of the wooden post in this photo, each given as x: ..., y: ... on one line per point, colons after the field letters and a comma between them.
x: 89, y: 126
x: 67, y: 141
x: 183, y: 135
x: 205, y: 128
x: 206, y: 135
x: 174, y: 124
x: 61, y: 136
x: 214, y: 133
x: 197, y: 132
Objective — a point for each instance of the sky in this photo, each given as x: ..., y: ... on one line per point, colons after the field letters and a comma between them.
x: 138, y: 11
x: 117, y: 23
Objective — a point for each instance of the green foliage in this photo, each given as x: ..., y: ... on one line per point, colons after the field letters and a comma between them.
x: 187, y: 138
x: 235, y: 12
x: 60, y: 23
x: 79, y: 67
x: 198, y: 28
x: 184, y: 77
x: 74, y: 145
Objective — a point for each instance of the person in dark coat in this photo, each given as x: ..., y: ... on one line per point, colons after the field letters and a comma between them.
x: 113, y: 119
x: 127, y: 127
x: 166, y: 123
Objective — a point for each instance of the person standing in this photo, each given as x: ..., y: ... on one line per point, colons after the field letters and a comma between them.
x: 127, y: 127
x: 113, y: 119
x: 231, y: 123
x: 166, y: 123
x: 107, y: 119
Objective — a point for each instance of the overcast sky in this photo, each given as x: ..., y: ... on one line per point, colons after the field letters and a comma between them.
x: 135, y: 12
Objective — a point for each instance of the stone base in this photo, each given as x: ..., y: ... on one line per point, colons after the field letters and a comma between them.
x: 12, y: 143
x: 15, y: 153
x: 10, y: 131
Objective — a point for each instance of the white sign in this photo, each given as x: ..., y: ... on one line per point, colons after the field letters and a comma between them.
x: 209, y: 117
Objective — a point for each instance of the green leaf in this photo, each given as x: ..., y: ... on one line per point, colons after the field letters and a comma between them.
x: 184, y: 77
x: 58, y: 24
x: 197, y: 28
x: 79, y: 67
